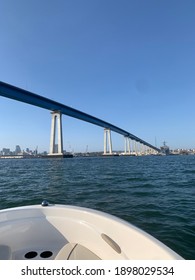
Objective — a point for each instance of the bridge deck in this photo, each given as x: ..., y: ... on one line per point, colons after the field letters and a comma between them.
x: 25, y: 96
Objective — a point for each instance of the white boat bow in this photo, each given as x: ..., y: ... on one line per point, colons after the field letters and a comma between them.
x: 74, y: 233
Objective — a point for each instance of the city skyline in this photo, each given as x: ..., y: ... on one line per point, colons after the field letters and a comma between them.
x: 20, y: 150
x: 130, y: 63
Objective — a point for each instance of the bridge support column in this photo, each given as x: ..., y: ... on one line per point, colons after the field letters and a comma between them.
x: 135, y: 147
x: 141, y: 149
x: 107, y: 142
x: 127, y: 145
x: 56, y: 149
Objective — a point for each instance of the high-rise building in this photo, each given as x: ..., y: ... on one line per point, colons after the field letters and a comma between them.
x: 5, y: 151
x: 18, y: 149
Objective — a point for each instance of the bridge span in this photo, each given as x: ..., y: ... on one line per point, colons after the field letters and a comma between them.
x: 12, y: 92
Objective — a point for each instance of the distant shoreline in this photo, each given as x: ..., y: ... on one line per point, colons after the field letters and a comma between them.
x: 35, y: 156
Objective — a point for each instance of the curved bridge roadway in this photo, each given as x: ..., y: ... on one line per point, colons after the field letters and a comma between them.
x: 25, y: 96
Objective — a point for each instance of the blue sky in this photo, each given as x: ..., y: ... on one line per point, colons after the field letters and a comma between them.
x: 128, y: 62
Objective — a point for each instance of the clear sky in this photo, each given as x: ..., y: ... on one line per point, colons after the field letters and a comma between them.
x: 128, y: 62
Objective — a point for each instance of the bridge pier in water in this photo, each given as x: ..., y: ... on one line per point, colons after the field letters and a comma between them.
x: 107, y: 142
x: 136, y: 148
x: 131, y: 147
x: 56, y: 149
x: 127, y: 145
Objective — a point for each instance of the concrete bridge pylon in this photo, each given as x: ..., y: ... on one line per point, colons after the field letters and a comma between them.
x: 56, y: 130
x: 107, y: 142
x: 127, y: 145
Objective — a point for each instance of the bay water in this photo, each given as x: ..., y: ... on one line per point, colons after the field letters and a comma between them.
x: 155, y: 193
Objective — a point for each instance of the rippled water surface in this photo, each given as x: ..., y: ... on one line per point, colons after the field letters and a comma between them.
x: 155, y: 193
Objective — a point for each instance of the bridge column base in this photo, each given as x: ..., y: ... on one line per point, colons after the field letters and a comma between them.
x: 56, y: 155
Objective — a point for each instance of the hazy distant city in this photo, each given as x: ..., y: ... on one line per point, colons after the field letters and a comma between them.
x: 6, y: 152
x: 18, y: 151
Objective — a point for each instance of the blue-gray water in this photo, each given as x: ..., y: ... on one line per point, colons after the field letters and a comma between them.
x: 154, y: 193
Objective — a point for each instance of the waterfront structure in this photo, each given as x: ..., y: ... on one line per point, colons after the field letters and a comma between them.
x: 165, y: 149
x: 17, y: 150
x: 5, y: 151
x: 127, y: 145
x: 56, y: 125
x: 107, y: 142
x: 25, y: 96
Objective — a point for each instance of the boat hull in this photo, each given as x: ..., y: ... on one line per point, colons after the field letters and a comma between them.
x: 70, y: 232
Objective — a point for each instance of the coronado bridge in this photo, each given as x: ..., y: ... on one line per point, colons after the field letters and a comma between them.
x: 132, y: 142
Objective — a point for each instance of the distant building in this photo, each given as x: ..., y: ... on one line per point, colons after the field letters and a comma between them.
x: 5, y: 151
x: 18, y: 149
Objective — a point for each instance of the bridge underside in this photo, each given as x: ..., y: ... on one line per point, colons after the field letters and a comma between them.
x: 25, y: 96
